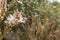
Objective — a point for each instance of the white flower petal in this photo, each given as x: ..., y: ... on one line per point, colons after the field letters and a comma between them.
x: 20, y: 2
x: 22, y: 21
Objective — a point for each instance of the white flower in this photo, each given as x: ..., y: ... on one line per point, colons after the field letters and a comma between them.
x: 21, y: 19
x: 11, y: 19
x: 15, y: 18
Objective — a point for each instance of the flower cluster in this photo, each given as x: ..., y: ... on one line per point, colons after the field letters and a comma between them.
x: 15, y: 18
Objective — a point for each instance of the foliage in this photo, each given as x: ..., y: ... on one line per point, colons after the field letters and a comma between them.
x: 29, y: 20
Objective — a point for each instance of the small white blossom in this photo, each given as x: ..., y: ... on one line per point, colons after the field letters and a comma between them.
x: 21, y: 19
x: 11, y: 19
